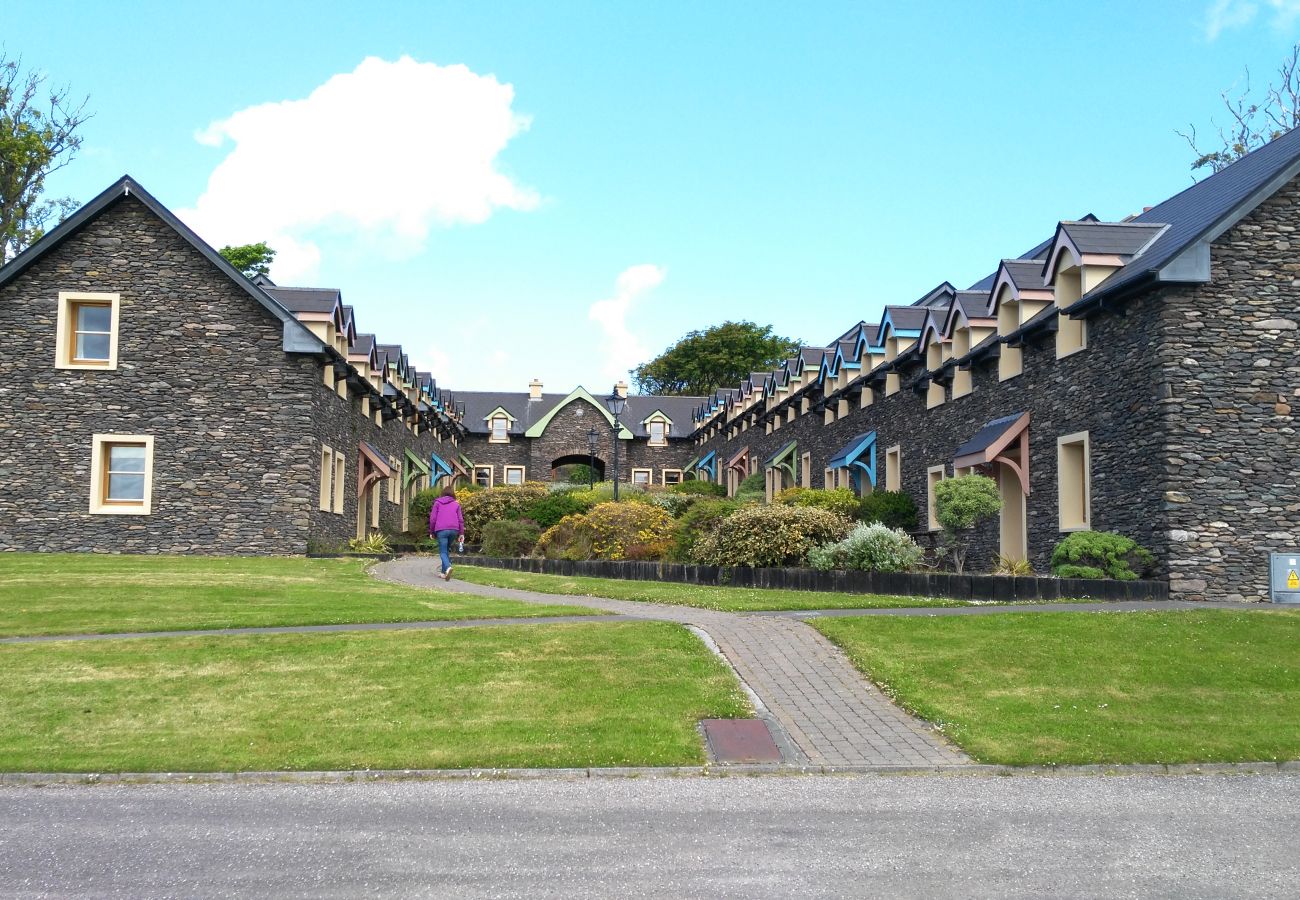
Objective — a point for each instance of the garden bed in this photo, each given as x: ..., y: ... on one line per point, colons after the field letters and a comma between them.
x: 912, y: 584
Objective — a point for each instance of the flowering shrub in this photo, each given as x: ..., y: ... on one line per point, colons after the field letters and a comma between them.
x: 610, y: 531
x: 510, y: 537
x: 837, y: 500
x: 871, y: 548
x: 506, y: 501
x: 699, y: 520
x: 775, y: 535
x: 1101, y: 554
x: 674, y: 504
x: 555, y: 506
x: 603, y: 492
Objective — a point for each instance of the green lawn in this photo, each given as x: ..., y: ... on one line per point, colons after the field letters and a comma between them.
x: 521, y: 695
x: 1199, y: 686
x: 727, y: 599
x: 75, y: 593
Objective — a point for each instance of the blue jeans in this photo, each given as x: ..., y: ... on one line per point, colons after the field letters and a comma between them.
x: 445, y: 537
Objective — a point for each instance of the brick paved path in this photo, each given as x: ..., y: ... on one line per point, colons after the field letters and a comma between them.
x: 825, y: 712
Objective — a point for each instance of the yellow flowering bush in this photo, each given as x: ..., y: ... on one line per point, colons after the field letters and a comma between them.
x: 507, y: 501
x: 610, y: 531
x: 776, y: 535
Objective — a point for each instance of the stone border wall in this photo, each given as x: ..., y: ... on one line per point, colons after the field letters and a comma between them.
x: 908, y: 584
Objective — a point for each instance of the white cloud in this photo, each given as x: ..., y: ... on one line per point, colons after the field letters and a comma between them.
x: 622, y: 349
x: 1225, y: 14
x: 383, y: 153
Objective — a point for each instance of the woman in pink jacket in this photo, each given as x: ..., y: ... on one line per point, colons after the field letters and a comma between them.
x: 445, y: 522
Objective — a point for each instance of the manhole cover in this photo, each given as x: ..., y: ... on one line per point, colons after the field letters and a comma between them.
x: 740, y: 741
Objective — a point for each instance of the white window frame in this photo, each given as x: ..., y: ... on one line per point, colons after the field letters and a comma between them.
x: 662, y: 440
x: 99, y: 504
x: 326, y: 479
x: 648, y: 473
x: 664, y: 473
x: 65, y: 329
x: 491, y: 474
x: 894, y: 468
x: 1079, y: 438
x: 492, y: 429
x: 523, y: 474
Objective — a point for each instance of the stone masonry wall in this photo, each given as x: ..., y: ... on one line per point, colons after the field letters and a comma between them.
x: 200, y: 368
x: 1232, y: 361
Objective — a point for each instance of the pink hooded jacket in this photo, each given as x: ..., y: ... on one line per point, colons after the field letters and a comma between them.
x: 445, y: 515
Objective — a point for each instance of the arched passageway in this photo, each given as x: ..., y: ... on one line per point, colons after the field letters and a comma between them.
x: 576, y: 459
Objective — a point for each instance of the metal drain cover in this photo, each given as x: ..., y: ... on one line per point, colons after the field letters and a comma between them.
x: 740, y: 741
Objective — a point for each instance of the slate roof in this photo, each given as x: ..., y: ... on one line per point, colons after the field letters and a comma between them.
x: 974, y: 304
x: 1120, y: 238
x: 908, y: 318
x: 363, y: 344
x: 525, y: 412
x: 1207, y: 206
x: 1026, y: 273
x: 302, y: 299
x: 986, y: 436
x: 939, y: 296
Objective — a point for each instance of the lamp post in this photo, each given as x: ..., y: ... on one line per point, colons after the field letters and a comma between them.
x: 593, y: 438
x: 615, y: 403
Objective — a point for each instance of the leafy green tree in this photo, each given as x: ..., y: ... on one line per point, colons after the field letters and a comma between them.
x: 960, y: 504
x: 251, y: 259
x: 721, y: 356
x: 1253, y: 119
x: 38, y: 136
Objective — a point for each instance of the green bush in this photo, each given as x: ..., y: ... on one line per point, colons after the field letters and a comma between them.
x: 506, y: 501
x: 420, y: 506
x: 960, y: 504
x: 603, y: 492
x: 699, y: 520
x: 894, y: 509
x: 753, y: 488
x: 376, y: 542
x: 581, y: 474
x: 675, y: 504
x: 870, y: 548
x: 699, y: 486
x: 837, y: 500
x: 775, y: 535
x: 555, y: 506
x: 1101, y: 554
x: 609, y: 531
x: 510, y: 537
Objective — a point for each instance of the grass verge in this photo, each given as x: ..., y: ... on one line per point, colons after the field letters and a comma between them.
x: 726, y: 599
x: 523, y: 695
x: 77, y: 593
x: 1068, y: 688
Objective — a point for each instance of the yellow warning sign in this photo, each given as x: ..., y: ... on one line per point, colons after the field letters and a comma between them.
x: 1292, y: 581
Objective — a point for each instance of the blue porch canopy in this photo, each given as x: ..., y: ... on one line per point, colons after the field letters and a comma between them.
x: 440, y: 468
x: 708, y: 463
x: 859, y: 457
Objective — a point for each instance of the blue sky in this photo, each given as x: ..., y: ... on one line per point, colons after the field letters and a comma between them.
x: 650, y: 168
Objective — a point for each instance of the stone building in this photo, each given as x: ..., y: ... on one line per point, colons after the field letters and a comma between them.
x: 1136, y: 376
x: 154, y: 400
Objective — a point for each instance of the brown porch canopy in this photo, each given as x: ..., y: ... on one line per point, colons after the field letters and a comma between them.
x: 1004, y: 440
x: 371, y: 467
x: 740, y: 462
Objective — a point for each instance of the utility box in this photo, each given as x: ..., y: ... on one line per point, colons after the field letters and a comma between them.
x: 1284, y: 577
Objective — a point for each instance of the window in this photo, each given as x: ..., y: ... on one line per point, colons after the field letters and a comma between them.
x: 326, y: 478
x: 514, y: 474
x: 893, y: 465
x: 641, y: 476
x: 1073, y: 482
x: 671, y: 476
x: 340, y: 473
x: 121, y: 474
x: 86, y: 331
x: 1071, y: 334
x: 1009, y: 365
x: 500, y: 427
x: 374, y: 504
x: 805, y: 470
x: 483, y: 476
x: 933, y: 476
x: 828, y: 479
x: 658, y: 433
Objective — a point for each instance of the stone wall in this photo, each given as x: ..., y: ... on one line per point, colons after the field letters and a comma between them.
x: 1231, y: 354
x: 200, y: 368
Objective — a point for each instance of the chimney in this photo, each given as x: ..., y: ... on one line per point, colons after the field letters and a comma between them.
x: 621, y: 388
x: 534, y: 390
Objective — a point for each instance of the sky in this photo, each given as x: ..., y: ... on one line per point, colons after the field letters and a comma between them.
x: 561, y: 190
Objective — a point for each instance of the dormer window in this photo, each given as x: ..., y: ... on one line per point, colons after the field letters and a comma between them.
x: 1071, y: 334
x: 1009, y: 363
x: 500, y: 429
x: 658, y: 433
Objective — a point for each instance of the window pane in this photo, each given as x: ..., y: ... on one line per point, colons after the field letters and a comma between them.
x: 126, y: 458
x: 94, y: 318
x: 514, y: 476
x: 92, y: 346
x: 125, y: 487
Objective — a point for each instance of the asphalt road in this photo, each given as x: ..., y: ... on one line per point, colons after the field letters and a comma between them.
x: 918, y: 836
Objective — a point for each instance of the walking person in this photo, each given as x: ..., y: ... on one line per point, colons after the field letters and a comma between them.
x: 446, y: 521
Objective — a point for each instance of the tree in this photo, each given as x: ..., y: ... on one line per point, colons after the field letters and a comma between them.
x: 1254, y: 121
x: 251, y: 259
x: 38, y: 136
x: 721, y: 356
x: 960, y: 504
